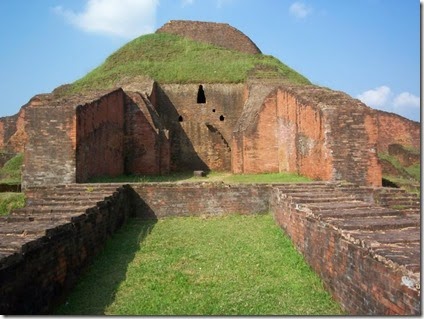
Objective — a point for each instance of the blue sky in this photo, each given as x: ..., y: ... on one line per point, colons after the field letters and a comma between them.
x: 369, y: 49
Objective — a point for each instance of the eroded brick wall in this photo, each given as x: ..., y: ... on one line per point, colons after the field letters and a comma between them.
x: 312, y: 131
x: 7, y: 128
x: 147, y: 148
x: 395, y: 129
x: 157, y: 200
x: 220, y: 34
x: 100, y: 137
x: 49, y: 156
x: 352, y: 134
x: 200, y: 133
x: 283, y: 135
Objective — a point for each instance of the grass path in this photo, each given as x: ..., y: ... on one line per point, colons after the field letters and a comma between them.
x: 225, y: 265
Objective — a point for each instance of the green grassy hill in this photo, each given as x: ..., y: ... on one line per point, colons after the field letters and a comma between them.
x: 169, y: 58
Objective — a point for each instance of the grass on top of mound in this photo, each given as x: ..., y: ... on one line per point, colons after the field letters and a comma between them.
x: 169, y: 58
x: 221, y: 265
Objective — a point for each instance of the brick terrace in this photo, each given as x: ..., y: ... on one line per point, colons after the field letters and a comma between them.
x: 366, y: 252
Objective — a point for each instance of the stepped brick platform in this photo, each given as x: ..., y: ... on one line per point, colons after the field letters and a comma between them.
x: 363, y: 242
x: 45, y: 246
x: 367, y: 255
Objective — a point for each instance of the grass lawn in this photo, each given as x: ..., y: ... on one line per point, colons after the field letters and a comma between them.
x: 222, y: 265
x: 211, y: 177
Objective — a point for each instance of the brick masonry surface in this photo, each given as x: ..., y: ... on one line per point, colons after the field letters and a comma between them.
x: 366, y: 251
x: 220, y: 34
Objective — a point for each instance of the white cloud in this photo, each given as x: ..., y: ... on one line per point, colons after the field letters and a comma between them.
x: 406, y: 99
x: 382, y: 98
x: 377, y: 97
x: 300, y: 10
x: 185, y: 3
x: 123, y: 18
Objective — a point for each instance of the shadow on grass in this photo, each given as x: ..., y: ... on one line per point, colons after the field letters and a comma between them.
x: 97, y: 287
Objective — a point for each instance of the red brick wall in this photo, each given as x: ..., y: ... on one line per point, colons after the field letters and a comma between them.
x: 167, y: 199
x: 147, y: 149
x: 361, y: 284
x: 220, y: 34
x: 312, y: 131
x: 49, y: 156
x: 284, y: 136
x: 395, y: 129
x: 100, y: 137
x: 200, y: 133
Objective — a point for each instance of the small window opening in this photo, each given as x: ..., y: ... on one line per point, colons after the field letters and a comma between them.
x: 201, y: 98
x: 213, y: 110
x: 180, y: 118
x: 221, y: 118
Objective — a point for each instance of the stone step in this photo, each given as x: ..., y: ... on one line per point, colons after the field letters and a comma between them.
x: 375, y: 223
x: 320, y: 199
x: 60, y: 218
x: 39, y: 210
x: 389, y: 236
x: 357, y: 212
x: 27, y: 227
x: 338, y: 205
x: 63, y: 201
x: 69, y: 195
x: 292, y: 191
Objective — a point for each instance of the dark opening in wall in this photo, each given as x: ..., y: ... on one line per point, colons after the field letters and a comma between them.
x: 213, y: 110
x: 221, y: 118
x: 180, y: 118
x: 201, y: 98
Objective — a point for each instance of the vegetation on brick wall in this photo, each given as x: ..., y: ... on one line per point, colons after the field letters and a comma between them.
x: 407, y: 177
x: 10, y: 201
x: 10, y: 173
x: 168, y: 58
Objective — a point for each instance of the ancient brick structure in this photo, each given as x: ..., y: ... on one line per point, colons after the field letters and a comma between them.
x: 221, y: 34
x: 366, y: 251
x: 102, y: 134
x: 395, y: 129
x: 152, y: 128
x: 309, y: 130
x: 368, y: 238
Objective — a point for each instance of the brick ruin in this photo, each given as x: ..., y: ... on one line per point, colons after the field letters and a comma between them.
x: 368, y: 251
x: 243, y: 128
x: 253, y: 127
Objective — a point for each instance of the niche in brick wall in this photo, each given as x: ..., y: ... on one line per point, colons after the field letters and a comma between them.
x: 201, y: 98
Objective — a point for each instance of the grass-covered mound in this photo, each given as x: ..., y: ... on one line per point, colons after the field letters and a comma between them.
x: 169, y: 58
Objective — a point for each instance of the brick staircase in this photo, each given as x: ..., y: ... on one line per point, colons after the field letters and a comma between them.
x: 45, y: 245
x: 390, y: 225
x: 48, y: 208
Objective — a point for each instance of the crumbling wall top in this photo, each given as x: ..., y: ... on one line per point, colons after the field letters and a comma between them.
x: 220, y: 34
